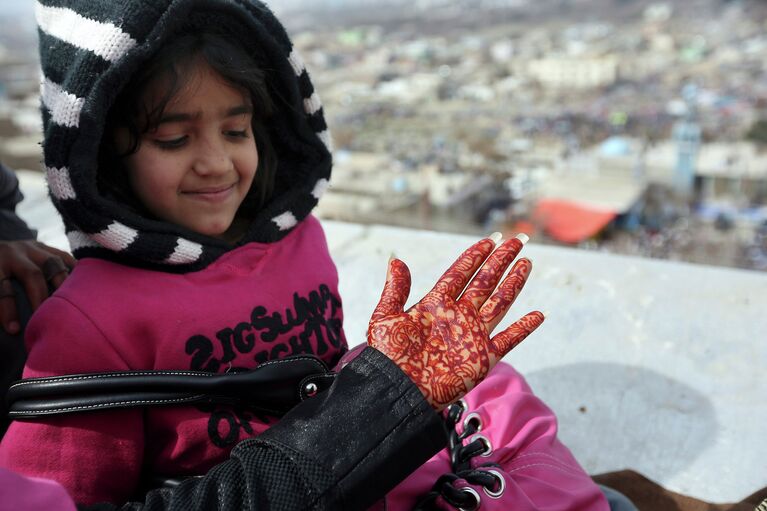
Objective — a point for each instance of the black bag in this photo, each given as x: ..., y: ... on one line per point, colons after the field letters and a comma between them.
x: 273, y: 387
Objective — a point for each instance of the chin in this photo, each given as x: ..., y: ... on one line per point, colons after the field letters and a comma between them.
x: 215, y: 232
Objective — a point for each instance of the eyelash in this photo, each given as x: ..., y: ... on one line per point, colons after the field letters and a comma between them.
x: 178, y: 143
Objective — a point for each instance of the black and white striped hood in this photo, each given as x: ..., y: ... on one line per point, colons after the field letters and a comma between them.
x: 89, y: 49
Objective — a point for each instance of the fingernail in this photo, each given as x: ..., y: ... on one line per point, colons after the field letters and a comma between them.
x: 545, y: 314
x: 13, y: 327
x: 524, y: 238
x: 392, y: 257
x: 496, y: 237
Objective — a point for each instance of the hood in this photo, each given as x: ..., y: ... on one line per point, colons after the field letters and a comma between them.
x: 89, y: 50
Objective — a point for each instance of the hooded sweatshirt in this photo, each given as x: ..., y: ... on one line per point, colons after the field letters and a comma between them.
x: 151, y: 295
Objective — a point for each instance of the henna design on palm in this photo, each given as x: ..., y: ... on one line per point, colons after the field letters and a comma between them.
x: 443, y: 342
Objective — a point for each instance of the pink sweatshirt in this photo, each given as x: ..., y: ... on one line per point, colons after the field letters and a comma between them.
x: 19, y: 493
x: 256, y: 303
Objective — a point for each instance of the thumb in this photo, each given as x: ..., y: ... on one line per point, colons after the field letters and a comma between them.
x: 395, y: 291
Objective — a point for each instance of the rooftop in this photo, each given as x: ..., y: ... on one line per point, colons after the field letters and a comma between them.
x: 650, y: 365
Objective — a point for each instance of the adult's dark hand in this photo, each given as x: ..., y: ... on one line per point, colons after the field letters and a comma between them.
x: 443, y: 342
x: 37, y: 267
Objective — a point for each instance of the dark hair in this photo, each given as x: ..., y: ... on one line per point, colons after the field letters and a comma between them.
x: 172, y: 63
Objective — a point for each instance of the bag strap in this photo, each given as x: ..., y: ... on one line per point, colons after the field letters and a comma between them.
x: 273, y: 387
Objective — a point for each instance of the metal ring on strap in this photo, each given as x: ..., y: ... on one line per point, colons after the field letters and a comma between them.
x: 475, y: 418
x: 501, y: 485
x: 488, y: 446
x: 473, y: 493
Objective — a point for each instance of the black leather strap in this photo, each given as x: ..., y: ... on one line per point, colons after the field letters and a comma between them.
x: 273, y: 387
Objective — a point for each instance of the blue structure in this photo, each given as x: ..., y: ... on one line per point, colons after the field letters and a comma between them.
x: 615, y: 146
x: 687, y: 134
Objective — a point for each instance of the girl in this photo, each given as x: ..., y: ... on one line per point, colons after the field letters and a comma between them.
x: 185, y: 148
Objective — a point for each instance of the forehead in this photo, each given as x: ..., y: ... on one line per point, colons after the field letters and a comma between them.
x: 197, y: 86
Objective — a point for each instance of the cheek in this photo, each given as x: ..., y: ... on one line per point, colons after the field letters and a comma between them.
x: 248, y: 162
x: 150, y: 174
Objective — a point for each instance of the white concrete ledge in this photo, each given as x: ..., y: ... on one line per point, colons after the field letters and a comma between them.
x: 649, y: 365
x: 654, y: 366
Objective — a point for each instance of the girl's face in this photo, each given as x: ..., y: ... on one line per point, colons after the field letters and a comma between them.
x: 196, y: 167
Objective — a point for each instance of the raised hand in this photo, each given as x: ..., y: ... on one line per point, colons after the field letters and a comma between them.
x: 442, y: 343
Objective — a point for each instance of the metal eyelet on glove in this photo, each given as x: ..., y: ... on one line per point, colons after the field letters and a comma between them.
x: 501, y: 485
x: 475, y: 495
x: 491, y: 481
x: 475, y: 419
x: 486, y: 442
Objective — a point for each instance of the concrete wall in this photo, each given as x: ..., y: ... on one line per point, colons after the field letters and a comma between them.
x: 650, y: 365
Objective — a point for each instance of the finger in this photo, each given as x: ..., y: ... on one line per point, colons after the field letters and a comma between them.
x: 26, y: 267
x: 37, y: 252
x: 55, y: 270
x: 55, y: 264
x: 9, y: 316
x: 487, y: 278
x: 454, y: 280
x: 31, y: 277
x: 395, y: 292
x: 494, y: 309
x: 58, y: 279
x: 507, y: 340
x: 66, y: 257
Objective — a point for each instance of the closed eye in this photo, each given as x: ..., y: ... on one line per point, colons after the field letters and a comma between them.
x: 236, y: 134
x: 175, y: 143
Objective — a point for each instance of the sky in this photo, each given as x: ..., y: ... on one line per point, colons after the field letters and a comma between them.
x: 26, y: 7
x: 17, y: 7
x: 21, y: 14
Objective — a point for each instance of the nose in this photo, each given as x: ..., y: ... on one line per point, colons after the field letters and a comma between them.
x: 212, y: 159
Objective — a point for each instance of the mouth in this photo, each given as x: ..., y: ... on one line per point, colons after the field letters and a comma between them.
x: 211, y: 193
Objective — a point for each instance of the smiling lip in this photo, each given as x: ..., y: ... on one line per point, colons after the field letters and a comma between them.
x: 212, y: 194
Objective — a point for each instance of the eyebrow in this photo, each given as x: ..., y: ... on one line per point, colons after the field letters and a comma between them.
x: 239, y: 110
x: 186, y: 117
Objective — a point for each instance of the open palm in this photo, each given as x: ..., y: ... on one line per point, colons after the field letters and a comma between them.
x: 443, y: 342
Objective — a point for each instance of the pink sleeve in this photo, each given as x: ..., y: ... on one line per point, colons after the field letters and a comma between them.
x: 96, y: 456
x: 539, y: 472
x: 27, y: 493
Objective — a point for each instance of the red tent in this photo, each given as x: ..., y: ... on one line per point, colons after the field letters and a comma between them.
x: 570, y: 222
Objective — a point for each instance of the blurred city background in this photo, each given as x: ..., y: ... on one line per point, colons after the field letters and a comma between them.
x: 627, y: 126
